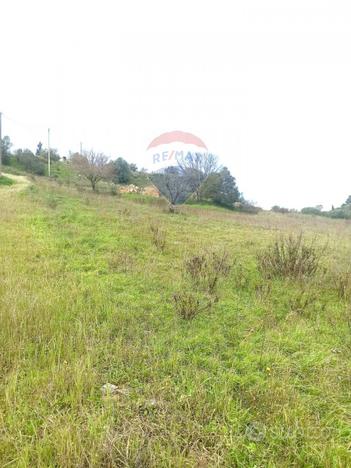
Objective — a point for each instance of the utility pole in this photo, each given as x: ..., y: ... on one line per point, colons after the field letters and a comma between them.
x: 81, y: 148
x: 0, y: 145
x: 49, y: 154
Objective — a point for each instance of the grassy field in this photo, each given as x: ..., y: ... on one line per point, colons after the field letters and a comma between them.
x: 262, y: 378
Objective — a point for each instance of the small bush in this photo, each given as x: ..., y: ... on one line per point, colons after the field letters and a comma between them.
x: 290, y: 257
x: 310, y: 210
x: 246, y: 207
x: 158, y: 236
x: 280, y: 209
x: 207, y: 268
x: 6, y: 181
x: 189, y: 304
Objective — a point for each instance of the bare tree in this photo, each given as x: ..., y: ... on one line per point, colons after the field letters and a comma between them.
x: 92, y: 166
x: 172, y: 185
x: 196, y: 167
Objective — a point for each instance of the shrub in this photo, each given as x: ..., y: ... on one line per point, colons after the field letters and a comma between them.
x: 246, y: 207
x: 189, y: 304
x: 6, y: 181
x: 279, y: 209
x: 289, y: 256
x: 158, y: 236
x: 310, y: 210
x: 340, y: 213
x: 207, y: 268
x: 27, y: 161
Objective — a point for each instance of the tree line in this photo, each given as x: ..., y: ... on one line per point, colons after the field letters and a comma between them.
x: 193, y: 178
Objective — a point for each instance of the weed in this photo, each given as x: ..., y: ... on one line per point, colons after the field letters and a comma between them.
x: 207, y: 268
x: 121, y: 262
x: 291, y: 257
x: 158, y: 236
x: 263, y: 291
x: 302, y: 299
x: 189, y: 304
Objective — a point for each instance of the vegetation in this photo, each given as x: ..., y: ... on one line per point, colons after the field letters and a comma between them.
x: 220, y: 188
x: 122, y: 172
x: 213, y: 357
x: 92, y: 166
x: 6, y: 181
x: 290, y: 257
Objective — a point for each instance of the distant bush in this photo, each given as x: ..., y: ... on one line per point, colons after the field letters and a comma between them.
x: 246, y: 207
x: 27, y: 161
x: 289, y: 256
x: 279, y: 209
x: 6, y: 181
x: 343, y: 212
x: 310, y: 210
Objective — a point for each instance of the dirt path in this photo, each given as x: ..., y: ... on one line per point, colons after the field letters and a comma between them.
x: 21, y: 183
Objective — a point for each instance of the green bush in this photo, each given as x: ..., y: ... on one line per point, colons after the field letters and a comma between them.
x: 29, y: 163
x: 289, y: 256
x: 6, y: 181
x: 310, y: 210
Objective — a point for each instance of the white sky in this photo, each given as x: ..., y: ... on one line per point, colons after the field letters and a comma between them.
x: 265, y: 83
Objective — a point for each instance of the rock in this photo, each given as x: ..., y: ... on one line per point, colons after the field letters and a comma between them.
x: 109, y: 389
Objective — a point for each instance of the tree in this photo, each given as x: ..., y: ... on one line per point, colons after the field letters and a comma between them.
x: 123, y: 173
x: 92, y: 166
x: 29, y: 162
x: 54, y: 155
x: 348, y: 201
x: 39, y: 149
x: 220, y: 188
x: 6, y: 146
x: 195, y: 168
x: 172, y: 185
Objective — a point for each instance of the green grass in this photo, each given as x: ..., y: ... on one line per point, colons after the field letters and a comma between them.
x: 6, y: 181
x: 261, y: 379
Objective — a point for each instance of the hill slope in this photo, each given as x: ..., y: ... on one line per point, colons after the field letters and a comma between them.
x: 261, y: 379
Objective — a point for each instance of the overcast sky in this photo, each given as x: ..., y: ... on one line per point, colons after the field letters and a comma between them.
x: 266, y: 84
